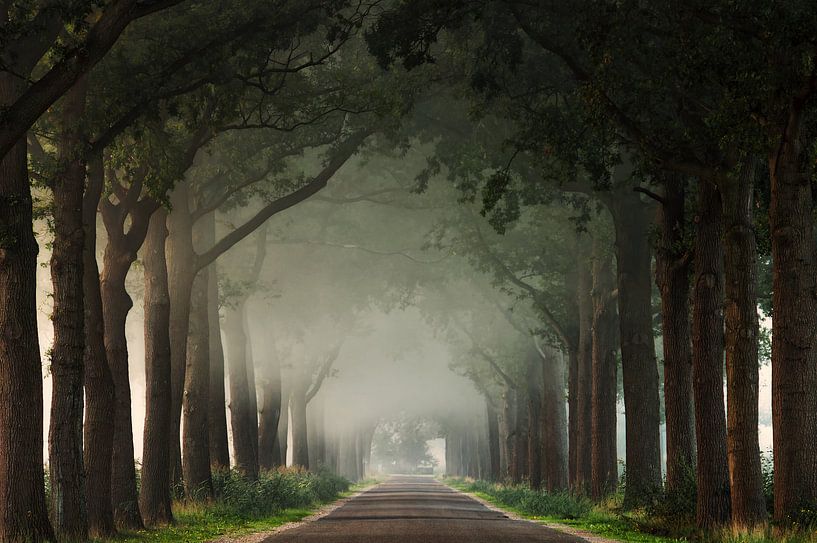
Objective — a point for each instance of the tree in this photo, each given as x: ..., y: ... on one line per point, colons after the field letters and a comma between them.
x: 155, y: 493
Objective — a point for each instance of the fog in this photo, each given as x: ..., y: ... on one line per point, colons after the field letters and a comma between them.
x: 370, y: 279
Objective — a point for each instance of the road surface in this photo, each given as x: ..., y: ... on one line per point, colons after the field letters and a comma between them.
x: 417, y: 509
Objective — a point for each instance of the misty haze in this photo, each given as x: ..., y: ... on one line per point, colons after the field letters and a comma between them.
x: 434, y: 271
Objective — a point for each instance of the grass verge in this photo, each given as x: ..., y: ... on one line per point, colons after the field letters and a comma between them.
x: 565, y: 509
x: 241, y: 507
x: 663, y: 524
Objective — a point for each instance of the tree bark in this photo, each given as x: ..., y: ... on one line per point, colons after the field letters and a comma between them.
x: 573, y: 414
x: 242, y: 414
x: 99, y: 389
x: 672, y: 280
x: 24, y: 516
x: 361, y: 455
x: 584, y: 377
x: 253, y: 390
x: 554, y: 419
x: 155, y: 494
x: 741, y: 323
x: 198, y: 484
x: 116, y: 304
x: 494, y: 472
x: 639, y: 367
x: 508, y: 431
x: 535, y: 378
x: 368, y: 437
x: 67, y: 472
x: 713, y: 502
x: 604, y: 458
x: 794, y: 356
x: 217, y: 415
x: 283, y: 423
x: 316, y: 437
x: 297, y: 406
x: 181, y: 273
x: 332, y: 452
x: 347, y: 454
x: 521, y: 437
x: 269, y: 450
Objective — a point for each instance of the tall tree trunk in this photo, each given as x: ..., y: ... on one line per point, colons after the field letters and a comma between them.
x: 604, y: 459
x: 316, y: 431
x: 198, y: 482
x: 368, y: 437
x: 269, y: 450
x: 794, y: 364
x: 297, y: 406
x: 639, y: 367
x: 283, y: 424
x: 584, y: 376
x: 23, y: 516
x: 707, y: 358
x: 467, y: 451
x: 67, y: 472
x: 555, y: 420
x: 360, y: 456
x: 155, y: 494
x: 242, y: 415
x: 672, y: 279
x: 741, y: 325
x: 534, y: 364
x: 348, y: 452
x: 332, y: 452
x: 494, y: 471
x: 116, y: 304
x: 253, y: 387
x: 449, y: 457
x: 217, y: 415
x: 509, y: 431
x: 99, y: 389
x: 573, y: 414
x: 181, y: 273
x: 521, y: 437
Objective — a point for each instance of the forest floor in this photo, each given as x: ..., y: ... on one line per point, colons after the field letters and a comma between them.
x: 211, y: 522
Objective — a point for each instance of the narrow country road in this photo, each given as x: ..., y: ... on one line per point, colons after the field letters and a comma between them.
x: 417, y: 509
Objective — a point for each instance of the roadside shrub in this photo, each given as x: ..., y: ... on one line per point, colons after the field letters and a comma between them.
x: 538, y: 503
x: 274, y: 491
x: 328, y: 485
x: 678, y: 506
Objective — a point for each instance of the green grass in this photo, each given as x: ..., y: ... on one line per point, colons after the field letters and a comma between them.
x: 241, y: 507
x: 566, y: 509
x: 195, y: 523
x: 667, y: 522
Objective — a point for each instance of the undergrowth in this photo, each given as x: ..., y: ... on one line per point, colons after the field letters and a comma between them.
x: 240, y: 506
x: 668, y: 518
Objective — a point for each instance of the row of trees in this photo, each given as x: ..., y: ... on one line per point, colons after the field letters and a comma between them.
x: 108, y: 111
x: 616, y: 120
x: 700, y: 113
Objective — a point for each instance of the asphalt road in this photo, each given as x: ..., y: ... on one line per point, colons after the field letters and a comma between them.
x: 417, y: 509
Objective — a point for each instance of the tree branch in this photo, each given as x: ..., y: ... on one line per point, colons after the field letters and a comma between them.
x: 19, y: 116
x: 326, y: 367
x: 537, y: 295
x: 360, y: 198
x: 347, y: 149
x: 657, y: 197
x: 360, y: 248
